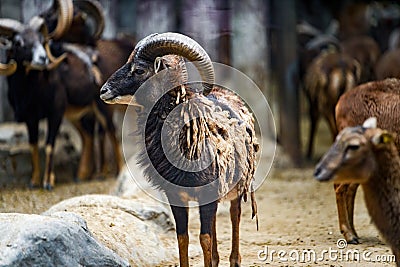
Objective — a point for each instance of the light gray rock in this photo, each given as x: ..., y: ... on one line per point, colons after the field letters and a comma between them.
x: 138, y: 230
x: 62, y: 239
x: 131, y: 183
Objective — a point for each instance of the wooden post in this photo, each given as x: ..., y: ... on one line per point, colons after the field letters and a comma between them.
x: 288, y: 93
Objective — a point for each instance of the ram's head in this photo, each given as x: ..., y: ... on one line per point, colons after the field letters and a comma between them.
x: 26, y: 44
x: 152, y: 54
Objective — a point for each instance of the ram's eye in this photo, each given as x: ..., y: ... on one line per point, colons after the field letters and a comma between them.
x: 353, y: 147
x: 18, y: 41
x: 139, y: 71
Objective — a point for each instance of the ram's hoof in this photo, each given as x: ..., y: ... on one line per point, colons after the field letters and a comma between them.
x: 48, y: 187
x: 100, y: 177
x: 33, y: 186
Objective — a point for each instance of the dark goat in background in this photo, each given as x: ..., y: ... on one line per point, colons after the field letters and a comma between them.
x: 32, y: 92
x: 366, y: 51
x: 82, y: 38
x: 328, y: 76
x: 84, y: 101
x: 216, y: 118
x: 324, y: 74
x: 36, y: 91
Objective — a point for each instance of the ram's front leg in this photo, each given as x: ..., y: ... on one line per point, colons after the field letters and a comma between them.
x: 181, y: 222
x: 85, y: 127
x: 53, y: 127
x: 33, y: 132
x: 207, y: 217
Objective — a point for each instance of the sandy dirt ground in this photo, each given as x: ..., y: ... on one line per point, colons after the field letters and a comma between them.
x: 296, y: 214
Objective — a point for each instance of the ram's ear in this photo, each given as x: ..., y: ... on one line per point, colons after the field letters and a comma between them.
x: 168, y: 62
x: 159, y: 64
x: 382, y: 137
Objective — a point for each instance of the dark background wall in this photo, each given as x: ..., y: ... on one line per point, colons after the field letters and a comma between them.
x: 257, y: 37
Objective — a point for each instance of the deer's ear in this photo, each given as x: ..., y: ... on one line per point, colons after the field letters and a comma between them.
x: 383, y: 137
x: 370, y: 123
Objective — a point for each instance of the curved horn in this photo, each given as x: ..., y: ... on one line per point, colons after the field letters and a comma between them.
x: 8, y: 68
x: 54, y: 61
x: 306, y: 28
x: 10, y: 26
x: 94, y: 10
x: 65, y: 11
x: 158, y: 45
x: 322, y: 40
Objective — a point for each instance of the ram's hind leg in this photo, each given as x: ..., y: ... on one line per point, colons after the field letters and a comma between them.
x: 235, y: 211
x: 49, y: 176
x: 215, y: 255
x: 35, y: 178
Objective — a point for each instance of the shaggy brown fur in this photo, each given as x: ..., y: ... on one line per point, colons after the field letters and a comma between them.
x: 215, y: 131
